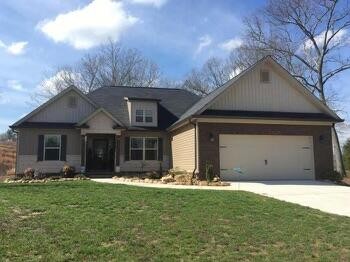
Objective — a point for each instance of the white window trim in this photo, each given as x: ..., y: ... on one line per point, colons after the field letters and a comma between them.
x: 144, y: 115
x: 143, y: 148
x: 50, y: 147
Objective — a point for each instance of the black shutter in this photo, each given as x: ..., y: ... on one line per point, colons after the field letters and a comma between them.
x: 63, y: 148
x: 40, y: 153
x: 127, y: 148
x: 160, y: 149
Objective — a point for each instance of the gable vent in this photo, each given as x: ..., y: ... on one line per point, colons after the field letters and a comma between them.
x: 264, y: 76
x: 72, y: 102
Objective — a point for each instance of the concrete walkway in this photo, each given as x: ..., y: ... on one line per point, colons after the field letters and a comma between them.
x: 324, y: 196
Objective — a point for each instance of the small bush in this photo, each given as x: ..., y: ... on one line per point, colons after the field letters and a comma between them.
x: 153, y: 175
x: 80, y: 177
x: 334, y: 176
x: 29, y: 173
x: 38, y: 175
x: 68, y: 171
x: 209, y: 172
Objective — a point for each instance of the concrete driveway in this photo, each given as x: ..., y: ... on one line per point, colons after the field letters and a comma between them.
x: 324, y: 196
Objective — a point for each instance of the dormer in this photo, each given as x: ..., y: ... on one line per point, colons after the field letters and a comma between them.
x: 142, y: 111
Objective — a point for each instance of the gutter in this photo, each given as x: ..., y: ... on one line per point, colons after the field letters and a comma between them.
x: 195, y: 147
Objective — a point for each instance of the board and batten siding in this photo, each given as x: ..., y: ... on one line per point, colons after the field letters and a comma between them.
x: 183, y: 148
x: 28, y: 150
x: 249, y: 94
x: 59, y: 111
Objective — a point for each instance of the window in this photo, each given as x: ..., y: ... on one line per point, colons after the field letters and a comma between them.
x: 139, y: 116
x: 264, y: 76
x: 52, y: 147
x: 151, y: 149
x: 143, y: 148
x: 136, y: 148
x: 72, y: 102
x: 148, y: 116
x: 143, y: 116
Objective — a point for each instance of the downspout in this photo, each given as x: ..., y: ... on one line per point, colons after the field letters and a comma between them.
x: 195, y: 148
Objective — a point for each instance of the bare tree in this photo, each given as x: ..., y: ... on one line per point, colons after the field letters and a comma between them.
x: 308, y: 37
x: 110, y: 65
x: 214, y: 73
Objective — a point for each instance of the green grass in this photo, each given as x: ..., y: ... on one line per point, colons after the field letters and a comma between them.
x: 103, y: 222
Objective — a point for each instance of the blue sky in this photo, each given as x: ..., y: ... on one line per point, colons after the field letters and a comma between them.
x: 38, y: 37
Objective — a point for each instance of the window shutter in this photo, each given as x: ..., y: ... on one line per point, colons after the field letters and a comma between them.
x: 127, y: 148
x: 160, y: 149
x: 63, y: 148
x: 40, y: 153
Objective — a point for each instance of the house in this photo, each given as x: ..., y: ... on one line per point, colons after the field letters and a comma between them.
x: 261, y: 125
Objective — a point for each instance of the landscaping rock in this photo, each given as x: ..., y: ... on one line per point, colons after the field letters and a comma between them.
x: 167, y: 179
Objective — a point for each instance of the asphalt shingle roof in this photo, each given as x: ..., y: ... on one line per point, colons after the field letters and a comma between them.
x: 173, y: 102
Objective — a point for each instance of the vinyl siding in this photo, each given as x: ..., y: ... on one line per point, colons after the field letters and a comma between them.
x: 25, y: 161
x: 249, y: 94
x: 59, y: 111
x: 183, y: 148
x: 28, y: 140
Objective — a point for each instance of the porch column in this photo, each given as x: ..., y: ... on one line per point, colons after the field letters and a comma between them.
x: 83, y: 153
x: 117, y: 153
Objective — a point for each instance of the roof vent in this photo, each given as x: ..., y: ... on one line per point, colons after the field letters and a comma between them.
x: 264, y: 76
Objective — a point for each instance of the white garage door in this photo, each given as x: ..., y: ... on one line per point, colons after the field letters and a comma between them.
x: 260, y: 157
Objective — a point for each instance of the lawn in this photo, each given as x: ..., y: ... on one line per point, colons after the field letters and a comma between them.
x: 99, y: 222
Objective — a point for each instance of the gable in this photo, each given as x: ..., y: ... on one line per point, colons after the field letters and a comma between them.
x: 101, y: 121
x: 278, y: 95
x: 60, y: 110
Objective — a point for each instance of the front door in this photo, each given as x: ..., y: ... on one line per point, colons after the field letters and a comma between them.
x: 100, y: 154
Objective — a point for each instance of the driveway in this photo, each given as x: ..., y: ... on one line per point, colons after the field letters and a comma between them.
x: 319, y: 195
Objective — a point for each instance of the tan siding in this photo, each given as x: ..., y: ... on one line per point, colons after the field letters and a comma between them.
x: 28, y: 140
x: 183, y: 148
x: 250, y: 95
x: 59, y: 111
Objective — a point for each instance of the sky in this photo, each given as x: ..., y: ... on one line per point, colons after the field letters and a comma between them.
x: 178, y: 35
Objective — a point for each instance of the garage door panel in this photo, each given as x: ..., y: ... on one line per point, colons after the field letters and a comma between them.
x: 261, y: 157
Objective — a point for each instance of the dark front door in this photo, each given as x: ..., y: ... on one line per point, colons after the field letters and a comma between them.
x: 100, y: 156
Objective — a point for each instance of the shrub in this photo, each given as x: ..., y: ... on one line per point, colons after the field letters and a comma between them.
x: 80, y: 177
x: 334, y: 176
x: 68, y: 171
x: 153, y: 175
x: 38, y: 175
x: 209, y: 172
x: 29, y: 173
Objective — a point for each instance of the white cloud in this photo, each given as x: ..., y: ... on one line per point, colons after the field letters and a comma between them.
x: 204, y: 41
x: 15, y: 85
x: 231, y: 44
x: 89, y: 26
x: 15, y: 48
x: 156, y: 3
x: 2, y: 44
x: 341, y: 36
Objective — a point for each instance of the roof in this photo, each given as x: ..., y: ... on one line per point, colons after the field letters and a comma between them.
x: 50, y: 101
x: 173, y: 102
x: 206, y: 101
